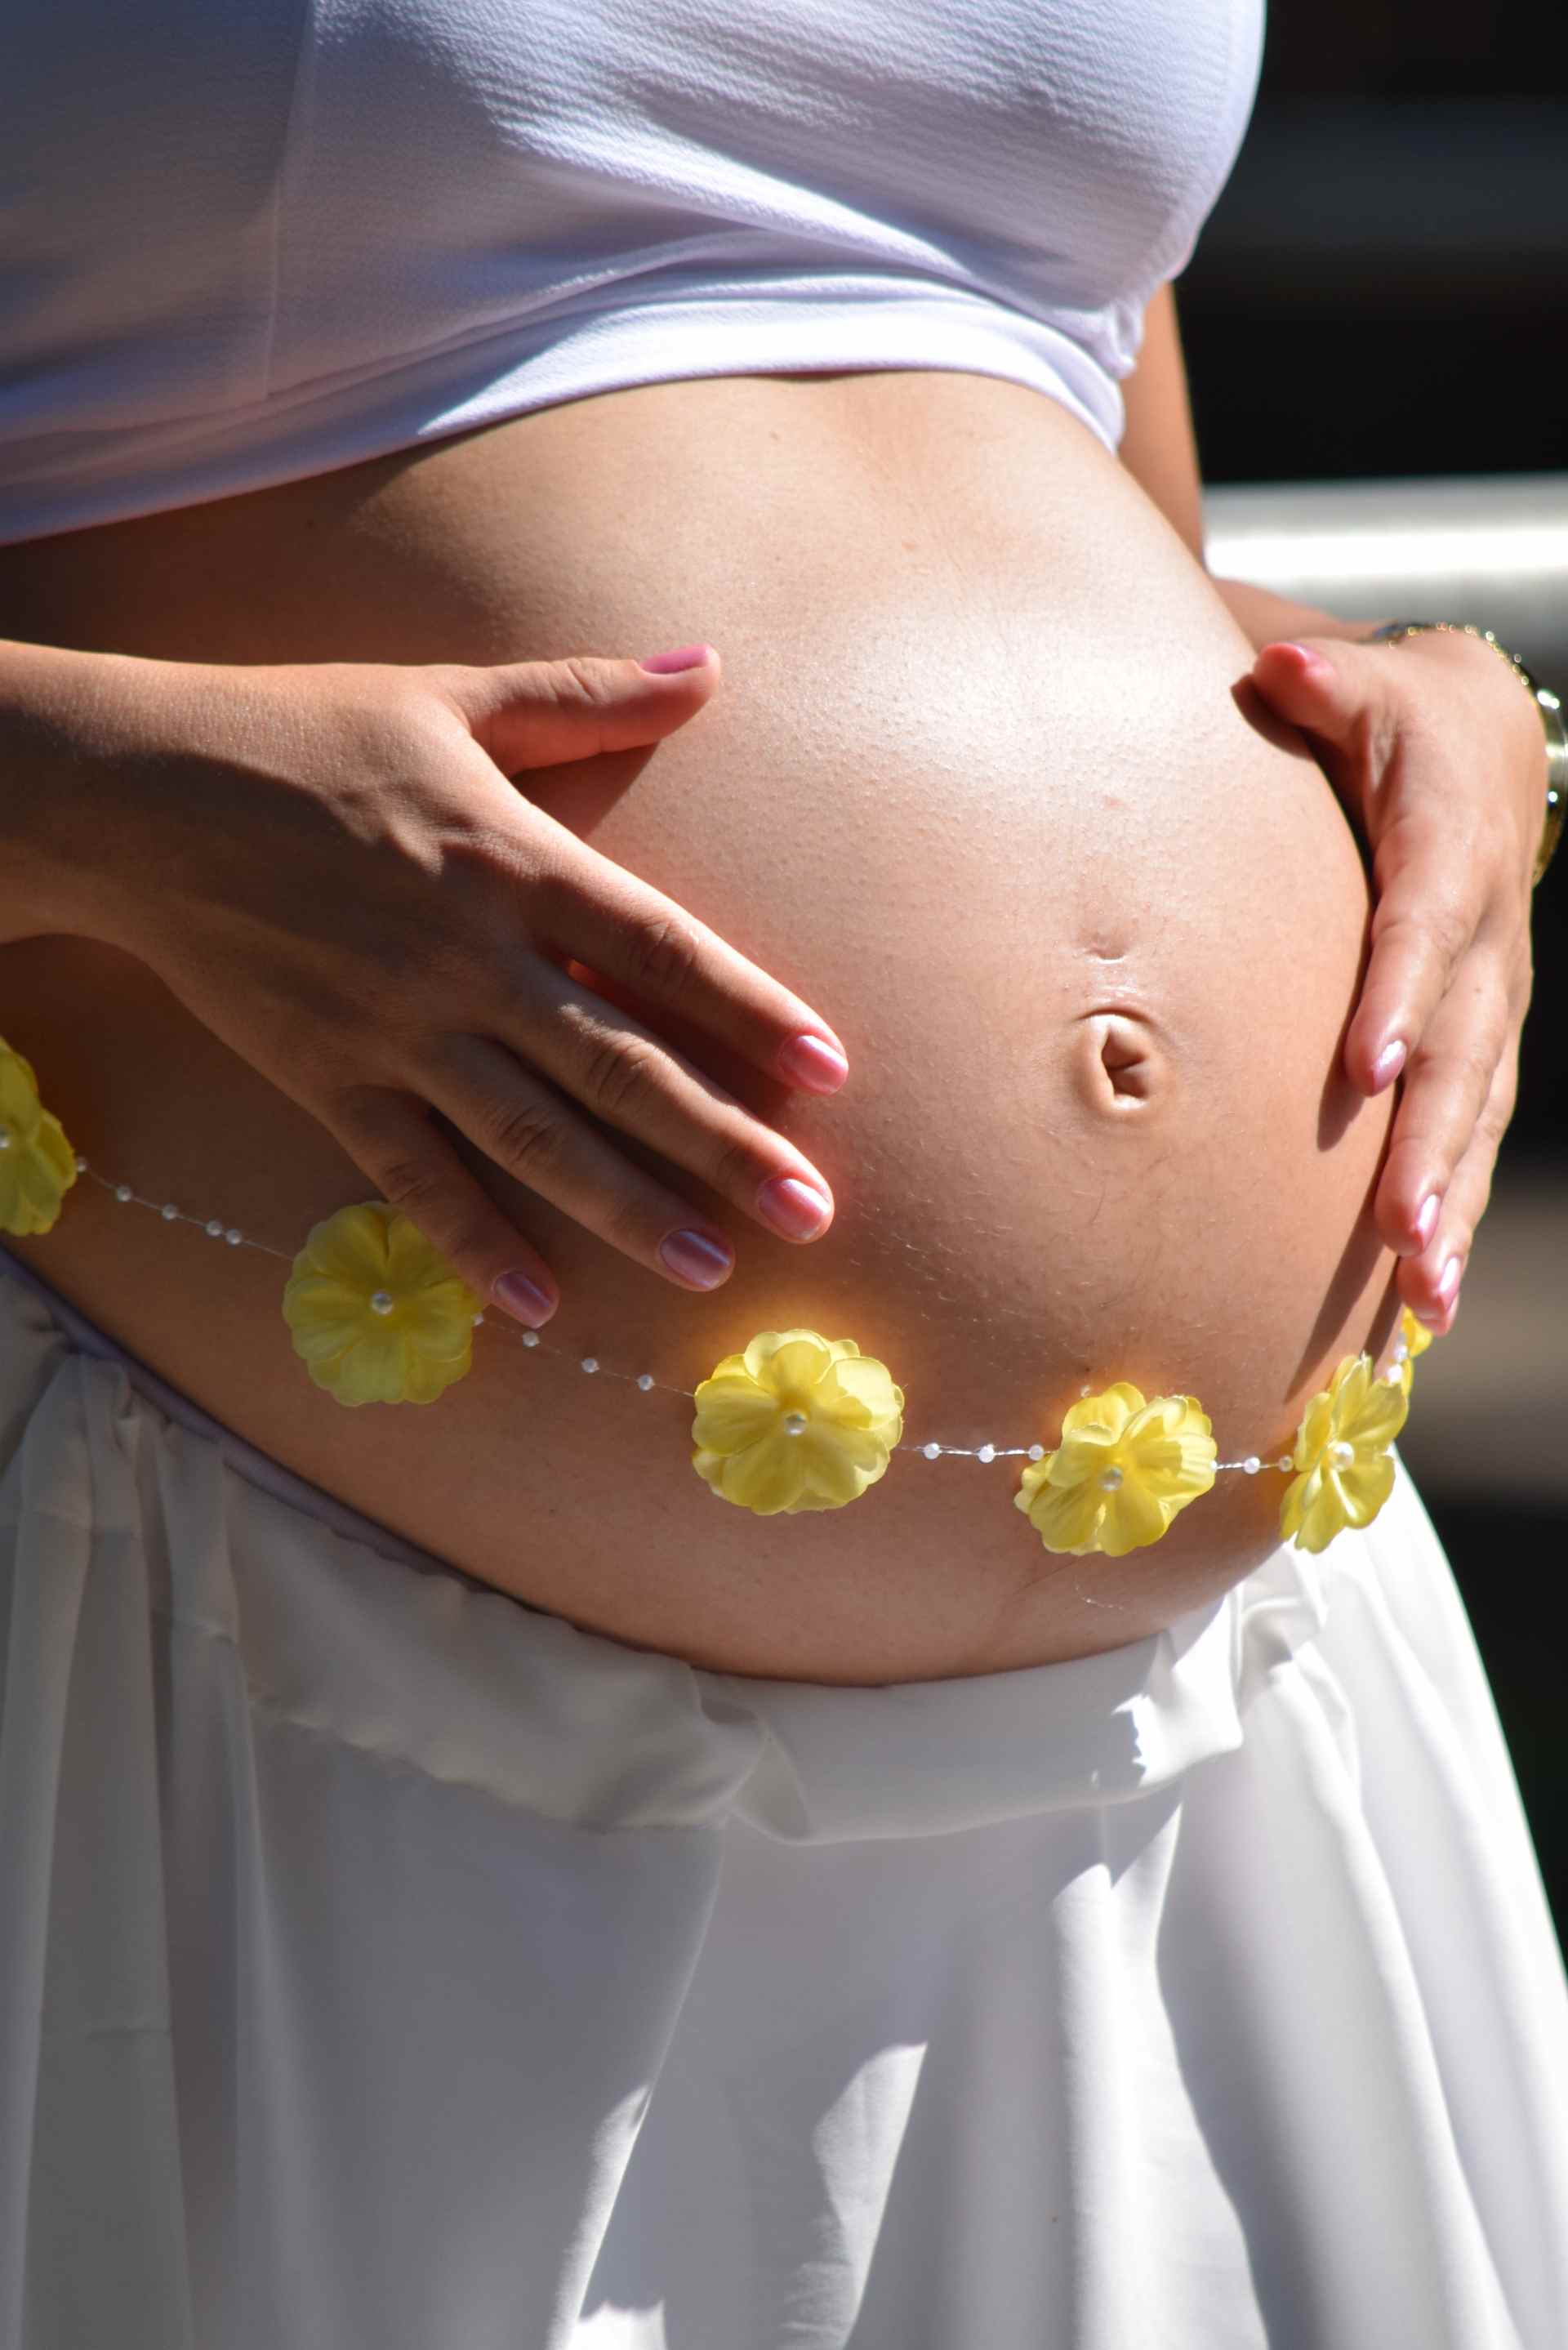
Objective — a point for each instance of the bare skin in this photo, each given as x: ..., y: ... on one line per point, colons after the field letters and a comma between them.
x: 984, y: 787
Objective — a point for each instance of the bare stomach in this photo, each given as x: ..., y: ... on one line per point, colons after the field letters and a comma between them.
x: 978, y: 787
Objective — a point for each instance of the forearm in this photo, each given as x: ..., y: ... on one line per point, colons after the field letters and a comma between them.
x: 1266, y: 618
x: 62, y: 730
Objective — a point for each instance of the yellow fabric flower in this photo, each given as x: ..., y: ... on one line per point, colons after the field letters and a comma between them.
x: 38, y: 1165
x: 1418, y: 1338
x: 1123, y: 1469
x: 1342, y: 1452
x: 796, y: 1422
x: 376, y: 1316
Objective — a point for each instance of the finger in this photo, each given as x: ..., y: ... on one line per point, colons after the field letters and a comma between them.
x: 1423, y: 926
x: 1447, y: 1084
x: 1428, y: 1283
x: 396, y: 1143
x: 533, y: 1134
x: 538, y: 714
x: 628, y: 1077
x: 599, y: 914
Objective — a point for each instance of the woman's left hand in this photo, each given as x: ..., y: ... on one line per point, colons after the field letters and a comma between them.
x: 1437, y: 759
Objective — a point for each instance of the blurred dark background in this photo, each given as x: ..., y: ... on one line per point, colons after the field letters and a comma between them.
x: 1381, y: 298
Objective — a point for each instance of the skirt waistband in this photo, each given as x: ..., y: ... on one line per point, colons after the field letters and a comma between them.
x: 342, y: 1625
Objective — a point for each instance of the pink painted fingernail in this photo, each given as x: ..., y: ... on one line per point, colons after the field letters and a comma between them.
x: 698, y: 1258
x: 1450, y: 1279
x: 523, y: 1298
x: 793, y: 1208
x: 1387, y: 1065
x: 812, y: 1061
x: 667, y: 664
x: 1426, y: 1221
x: 1312, y: 664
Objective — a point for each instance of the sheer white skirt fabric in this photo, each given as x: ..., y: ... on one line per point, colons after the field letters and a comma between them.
x: 386, y: 1965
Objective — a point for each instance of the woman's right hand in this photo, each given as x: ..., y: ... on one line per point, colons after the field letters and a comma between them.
x: 330, y: 868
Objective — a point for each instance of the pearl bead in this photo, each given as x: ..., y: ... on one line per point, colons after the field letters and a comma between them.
x: 5, y: 1138
x: 529, y: 1337
x: 168, y: 1212
x: 987, y: 1452
x: 1342, y: 1454
x: 213, y: 1227
x: 234, y: 1236
x: 590, y: 1362
x: 1285, y: 1462
x: 1394, y: 1376
x: 81, y: 1162
x: 1110, y: 1478
x: 1401, y: 1351
x: 1037, y: 1452
x: 1085, y: 1388
x: 478, y: 1319
x: 1252, y: 1464
x: 382, y: 1300
x: 794, y: 1423
x: 645, y: 1380
x: 122, y: 1191
x: 930, y: 1451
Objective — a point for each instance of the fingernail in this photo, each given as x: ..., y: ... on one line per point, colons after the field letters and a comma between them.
x: 665, y: 664
x: 793, y: 1208
x: 1438, y: 1317
x: 524, y: 1298
x: 693, y: 1257
x: 1387, y: 1065
x: 1313, y: 664
x: 1426, y: 1221
x: 812, y: 1061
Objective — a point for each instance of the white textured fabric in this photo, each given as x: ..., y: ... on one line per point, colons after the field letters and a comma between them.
x: 241, y: 245
x: 384, y: 1965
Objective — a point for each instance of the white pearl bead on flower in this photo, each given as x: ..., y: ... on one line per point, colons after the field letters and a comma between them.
x: 5, y: 1138
x: 1343, y: 1455
x: 794, y: 1423
x: 382, y: 1300
x: 1037, y: 1452
x: 1110, y: 1478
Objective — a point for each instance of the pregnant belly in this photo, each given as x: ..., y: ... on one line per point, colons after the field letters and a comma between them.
x: 979, y: 786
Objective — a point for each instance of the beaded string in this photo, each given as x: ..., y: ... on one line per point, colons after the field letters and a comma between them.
x: 794, y: 1422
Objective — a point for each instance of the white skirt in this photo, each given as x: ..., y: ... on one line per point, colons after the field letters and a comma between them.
x: 386, y: 1965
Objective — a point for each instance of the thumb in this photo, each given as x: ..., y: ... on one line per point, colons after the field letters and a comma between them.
x: 1327, y: 686
x: 538, y: 714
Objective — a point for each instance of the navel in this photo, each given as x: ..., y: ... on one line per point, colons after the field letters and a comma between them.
x: 1119, y: 1065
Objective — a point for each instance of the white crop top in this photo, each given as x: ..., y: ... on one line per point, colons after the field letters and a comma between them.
x: 247, y: 241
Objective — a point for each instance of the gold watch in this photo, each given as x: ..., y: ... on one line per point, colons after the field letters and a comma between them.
x: 1547, y: 704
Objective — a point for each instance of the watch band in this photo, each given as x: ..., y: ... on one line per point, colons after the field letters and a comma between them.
x: 1549, y: 708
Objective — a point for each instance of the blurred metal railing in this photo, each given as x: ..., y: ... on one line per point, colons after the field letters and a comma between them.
x: 1491, y: 549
